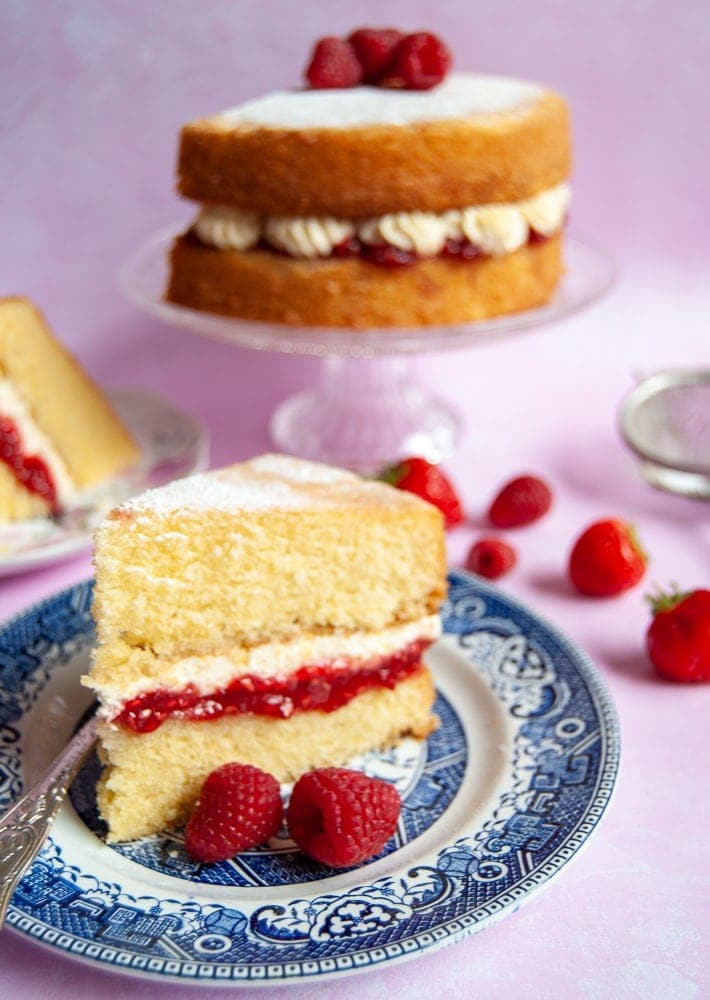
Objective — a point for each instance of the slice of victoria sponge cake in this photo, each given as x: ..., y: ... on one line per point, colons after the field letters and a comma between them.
x: 274, y: 613
x: 59, y: 434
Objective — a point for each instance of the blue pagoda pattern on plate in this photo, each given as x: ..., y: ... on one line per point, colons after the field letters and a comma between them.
x: 564, y: 763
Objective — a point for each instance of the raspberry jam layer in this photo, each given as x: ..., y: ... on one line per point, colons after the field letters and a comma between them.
x: 30, y: 471
x: 385, y: 256
x: 322, y: 687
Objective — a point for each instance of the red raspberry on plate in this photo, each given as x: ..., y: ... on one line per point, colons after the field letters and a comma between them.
x: 521, y: 501
x: 491, y: 557
x: 341, y: 817
x: 420, y: 61
x: 678, y: 638
x: 333, y: 64
x: 427, y: 481
x: 374, y: 48
x: 607, y: 559
x: 239, y: 807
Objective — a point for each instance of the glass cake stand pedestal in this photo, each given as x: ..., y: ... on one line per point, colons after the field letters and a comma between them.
x: 367, y: 406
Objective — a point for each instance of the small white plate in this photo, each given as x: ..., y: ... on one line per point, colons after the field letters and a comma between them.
x: 173, y: 444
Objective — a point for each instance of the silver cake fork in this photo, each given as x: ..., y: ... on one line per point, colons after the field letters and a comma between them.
x: 26, y: 826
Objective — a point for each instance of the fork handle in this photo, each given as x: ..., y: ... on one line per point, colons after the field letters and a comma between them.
x: 24, y: 829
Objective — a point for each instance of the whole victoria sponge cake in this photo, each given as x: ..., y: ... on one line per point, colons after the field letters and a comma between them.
x: 274, y: 613
x: 371, y: 206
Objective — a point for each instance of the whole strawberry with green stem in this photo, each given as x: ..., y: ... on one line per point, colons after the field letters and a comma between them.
x: 428, y: 481
x: 678, y: 638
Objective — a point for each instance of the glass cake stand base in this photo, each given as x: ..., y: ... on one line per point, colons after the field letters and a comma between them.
x: 363, y: 413
x: 367, y: 407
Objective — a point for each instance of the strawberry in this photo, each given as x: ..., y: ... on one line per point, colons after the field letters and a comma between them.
x: 521, y: 501
x: 607, y: 559
x: 239, y: 807
x: 491, y: 557
x: 417, y: 475
x: 678, y: 638
x: 374, y: 48
x: 333, y: 64
x: 419, y: 62
x: 341, y: 817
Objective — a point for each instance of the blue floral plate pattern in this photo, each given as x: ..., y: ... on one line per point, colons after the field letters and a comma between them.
x: 495, y: 803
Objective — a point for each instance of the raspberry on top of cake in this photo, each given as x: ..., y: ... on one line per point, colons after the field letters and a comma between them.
x: 58, y: 432
x: 363, y: 205
x: 274, y: 613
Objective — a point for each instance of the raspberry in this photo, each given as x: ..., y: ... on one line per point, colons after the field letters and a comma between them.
x: 239, y: 807
x: 333, y: 64
x: 374, y: 48
x: 350, y: 247
x: 420, y: 61
x: 460, y: 249
x: 342, y: 817
x: 491, y: 557
x: 521, y: 501
x: 388, y: 256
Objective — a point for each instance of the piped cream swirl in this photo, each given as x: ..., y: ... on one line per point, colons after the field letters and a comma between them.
x: 423, y: 233
x: 496, y: 229
x: 314, y: 237
x: 228, y: 228
x: 546, y: 212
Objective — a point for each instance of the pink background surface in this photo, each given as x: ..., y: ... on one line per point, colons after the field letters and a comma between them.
x: 92, y: 98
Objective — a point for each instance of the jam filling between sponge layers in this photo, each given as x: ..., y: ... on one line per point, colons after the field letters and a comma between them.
x: 322, y: 687
x: 30, y: 471
x: 387, y: 255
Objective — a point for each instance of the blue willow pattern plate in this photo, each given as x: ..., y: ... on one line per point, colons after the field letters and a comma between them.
x: 503, y: 795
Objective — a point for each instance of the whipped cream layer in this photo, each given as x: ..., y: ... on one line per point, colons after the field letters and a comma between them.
x: 495, y: 229
x: 461, y: 95
x: 208, y: 674
x: 35, y: 442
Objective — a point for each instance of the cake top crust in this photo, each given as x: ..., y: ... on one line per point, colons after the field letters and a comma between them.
x: 263, y: 483
x: 460, y: 96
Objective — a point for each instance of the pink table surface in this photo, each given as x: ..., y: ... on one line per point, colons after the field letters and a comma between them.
x: 93, y: 95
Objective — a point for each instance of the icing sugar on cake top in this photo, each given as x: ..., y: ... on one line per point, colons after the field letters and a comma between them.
x: 462, y: 95
x: 267, y: 482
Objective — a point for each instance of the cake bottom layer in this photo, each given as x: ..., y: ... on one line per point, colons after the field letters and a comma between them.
x: 350, y: 292
x: 152, y: 780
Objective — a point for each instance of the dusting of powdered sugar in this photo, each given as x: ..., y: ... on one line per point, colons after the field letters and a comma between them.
x: 271, y: 481
x: 298, y: 470
x: 462, y: 95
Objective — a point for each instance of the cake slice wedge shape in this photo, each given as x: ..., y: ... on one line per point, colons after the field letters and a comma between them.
x: 59, y: 435
x: 275, y: 612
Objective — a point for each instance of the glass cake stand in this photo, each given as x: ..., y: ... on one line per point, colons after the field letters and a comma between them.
x: 366, y: 407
